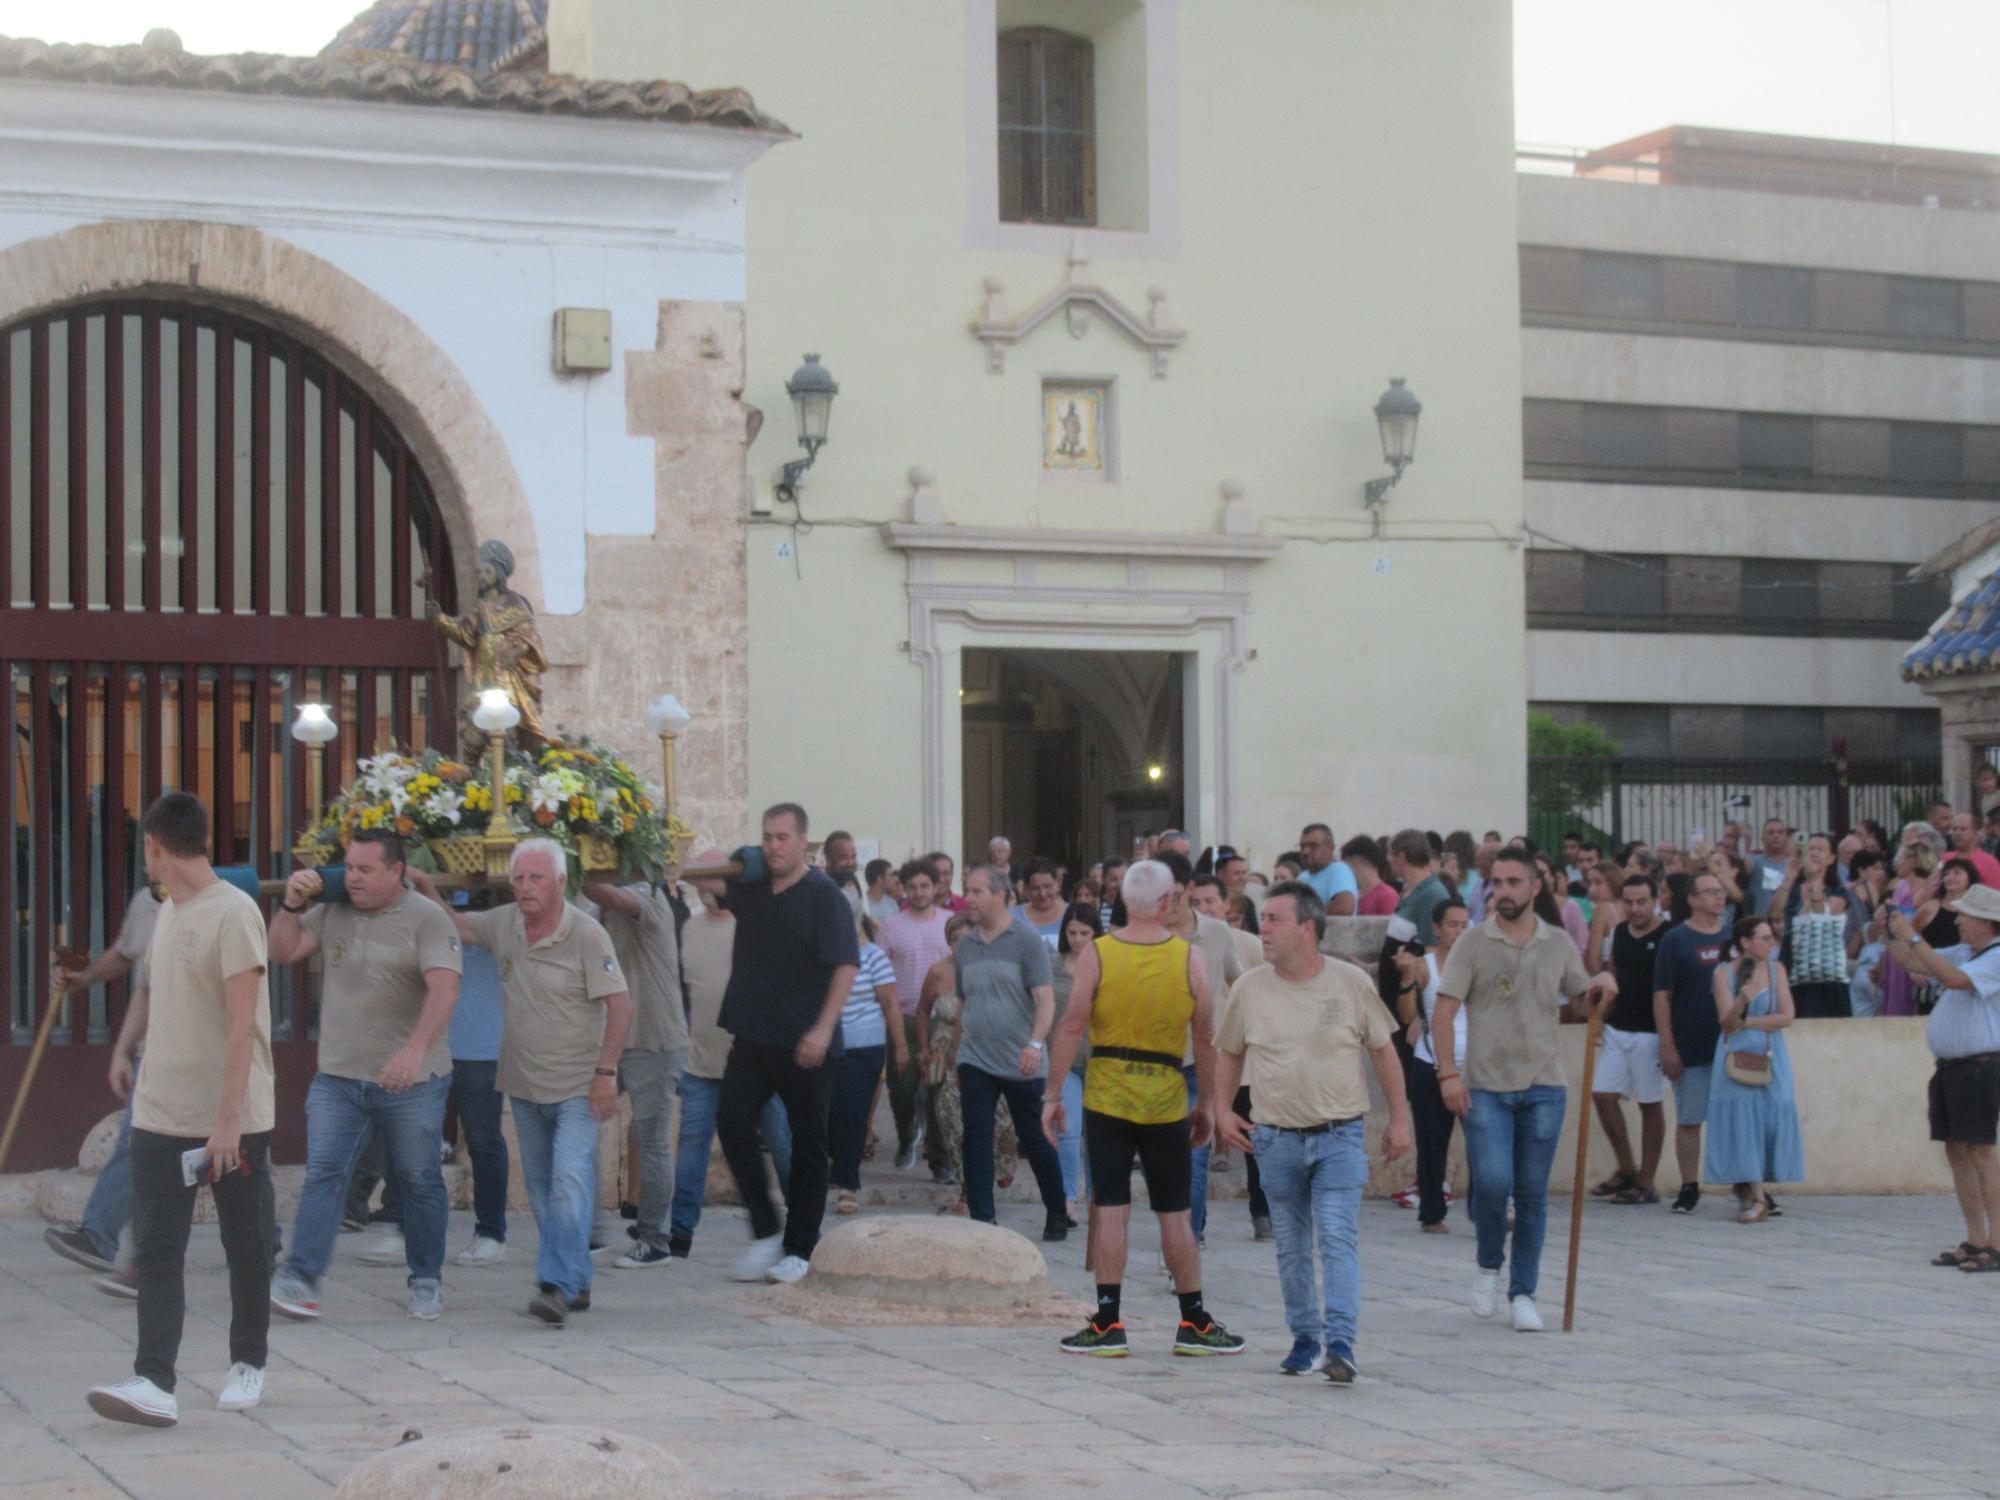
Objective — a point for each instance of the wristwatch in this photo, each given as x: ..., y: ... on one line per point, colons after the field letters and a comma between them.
x: 1039, y: 1046
x: 294, y: 910
x: 606, y: 1072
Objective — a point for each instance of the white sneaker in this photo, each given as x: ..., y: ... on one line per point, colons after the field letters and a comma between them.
x: 791, y: 1268
x: 1526, y: 1319
x: 759, y: 1258
x: 1486, y: 1294
x: 482, y: 1252
x: 383, y: 1249
x: 243, y: 1390
x: 136, y: 1400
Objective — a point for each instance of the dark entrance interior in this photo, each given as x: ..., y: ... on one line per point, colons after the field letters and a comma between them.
x: 1071, y: 754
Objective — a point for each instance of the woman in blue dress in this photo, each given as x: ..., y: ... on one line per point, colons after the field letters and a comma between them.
x: 1753, y: 1128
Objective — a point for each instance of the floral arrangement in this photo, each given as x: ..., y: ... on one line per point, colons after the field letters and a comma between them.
x: 578, y: 794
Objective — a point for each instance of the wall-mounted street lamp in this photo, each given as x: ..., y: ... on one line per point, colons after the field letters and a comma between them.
x: 812, y: 389
x: 1396, y: 415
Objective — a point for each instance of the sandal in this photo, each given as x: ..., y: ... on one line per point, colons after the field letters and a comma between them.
x: 1988, y: 1259
x: 1636, y: 1194
x: 1616, y: 1183
x: 1759, y: 1211
x: 1966, y: 1251
x: 847, y: 1203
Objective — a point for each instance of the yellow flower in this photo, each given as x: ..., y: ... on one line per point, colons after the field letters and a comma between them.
x: 373, y: 817
x: 514, y: 795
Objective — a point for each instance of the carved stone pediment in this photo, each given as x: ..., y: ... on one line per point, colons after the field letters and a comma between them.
x: 1077, y: 298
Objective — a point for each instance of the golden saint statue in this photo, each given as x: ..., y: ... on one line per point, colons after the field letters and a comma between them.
x: 502, y: 649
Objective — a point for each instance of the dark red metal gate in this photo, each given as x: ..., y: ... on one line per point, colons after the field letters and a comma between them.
x: 202, y: 524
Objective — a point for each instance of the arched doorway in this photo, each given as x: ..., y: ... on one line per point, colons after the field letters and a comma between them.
x: 203, y: 522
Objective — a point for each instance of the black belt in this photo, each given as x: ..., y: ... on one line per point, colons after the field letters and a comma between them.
x: 1970, y: 1057
x: 1320, y: 1129
x: 1134, y: 1054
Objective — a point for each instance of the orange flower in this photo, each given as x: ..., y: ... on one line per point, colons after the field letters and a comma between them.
x: 406, y: 826
x: 544, y: 817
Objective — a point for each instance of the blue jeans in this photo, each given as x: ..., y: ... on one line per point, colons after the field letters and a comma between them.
x: 1314, y: 1185
x: 1510, y: 1141
x: 979, y: 1092
x: 479, y: 1104
x: 855, y: 1074
x: 110, y: 1206
x: 1069, y: 1149
x: 1198, y: 1199
x: 339, y: 1112
x: 699, y: 1098
x: 559, y: 1165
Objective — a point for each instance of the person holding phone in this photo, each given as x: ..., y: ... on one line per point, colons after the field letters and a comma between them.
x: 208, y: 1085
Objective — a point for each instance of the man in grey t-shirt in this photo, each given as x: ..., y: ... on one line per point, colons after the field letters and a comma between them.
x: 1010, y: 1004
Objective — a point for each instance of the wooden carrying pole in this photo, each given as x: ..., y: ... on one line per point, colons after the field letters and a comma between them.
x: 1577, y: 1189
x: 444, y: 881
x: 20, y: 1104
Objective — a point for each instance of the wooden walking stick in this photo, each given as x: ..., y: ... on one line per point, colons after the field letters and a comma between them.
x: 1596, y: 1031
x: 71, y: 962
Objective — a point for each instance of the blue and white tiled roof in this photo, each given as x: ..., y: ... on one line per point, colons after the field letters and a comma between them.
x: 478, y: 35
x: 1965, y: 639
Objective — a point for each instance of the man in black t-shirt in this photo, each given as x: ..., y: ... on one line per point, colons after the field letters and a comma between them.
x: 794, y: 961
x: 1628, y: 1061
x: 1684, y: 1012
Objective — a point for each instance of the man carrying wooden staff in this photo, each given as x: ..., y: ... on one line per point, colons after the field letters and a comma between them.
x: 1512, y: 975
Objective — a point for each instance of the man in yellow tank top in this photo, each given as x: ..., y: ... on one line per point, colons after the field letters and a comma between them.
x: 1138, y: 993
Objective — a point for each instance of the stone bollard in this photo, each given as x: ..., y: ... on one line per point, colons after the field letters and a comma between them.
x: 944, y: 1264
x: 100, y: 1143
x: 535, y: 1463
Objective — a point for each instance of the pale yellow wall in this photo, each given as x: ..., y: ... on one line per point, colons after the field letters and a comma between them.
x: 1347, y: 212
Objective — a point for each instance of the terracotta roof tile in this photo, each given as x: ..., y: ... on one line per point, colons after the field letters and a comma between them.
x: 385, y: 78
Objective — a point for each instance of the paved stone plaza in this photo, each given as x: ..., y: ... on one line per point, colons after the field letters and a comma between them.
x: 1816, y: 1354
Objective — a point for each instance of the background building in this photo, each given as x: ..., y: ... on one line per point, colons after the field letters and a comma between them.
x: 1118, y: 282
x: 1761, y: 382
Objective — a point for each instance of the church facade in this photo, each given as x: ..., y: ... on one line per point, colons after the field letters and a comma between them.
x: 1110, y: 289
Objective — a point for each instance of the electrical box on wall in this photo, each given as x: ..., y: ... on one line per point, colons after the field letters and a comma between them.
x: 583, y: 340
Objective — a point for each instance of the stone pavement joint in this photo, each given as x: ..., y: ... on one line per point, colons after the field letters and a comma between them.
x: 1817, y: 1355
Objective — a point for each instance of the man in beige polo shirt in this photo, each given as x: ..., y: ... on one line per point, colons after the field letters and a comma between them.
x: 1512, y: 973
x: 568, y: 1011
x: 205, y: 1105
x: 1297, y: 1030
x: 389, y: 968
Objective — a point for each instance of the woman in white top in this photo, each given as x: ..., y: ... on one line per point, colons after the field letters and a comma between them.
x: 1433, y: 1121
x: 1607, y: 912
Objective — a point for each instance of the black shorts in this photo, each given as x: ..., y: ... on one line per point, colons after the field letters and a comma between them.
x: 1165, y: 1153
x: 1965, y: 1099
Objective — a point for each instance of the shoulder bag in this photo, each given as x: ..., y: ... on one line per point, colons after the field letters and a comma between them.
x: 1751, y: 1069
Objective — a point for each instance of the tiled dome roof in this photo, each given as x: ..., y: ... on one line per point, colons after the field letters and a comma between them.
x: 475, y: 34
x: 1965, y: 639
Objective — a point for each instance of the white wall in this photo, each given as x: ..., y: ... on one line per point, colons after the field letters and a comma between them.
x: 477, y: 225
x: 1578, y: 666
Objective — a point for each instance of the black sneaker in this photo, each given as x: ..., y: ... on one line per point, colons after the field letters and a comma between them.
x: 1055, y: 1227
x: 74, y: 1244
x: 547, y: 1304
x: 1206, y: 1342
x: 580, y: 1302
x: 678, y: 1245
x: 1687, y: 1198
x: 627, y: 1210
x: 1101, y: 1343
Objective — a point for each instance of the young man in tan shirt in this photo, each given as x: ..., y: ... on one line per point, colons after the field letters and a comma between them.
x: 205, y: 1105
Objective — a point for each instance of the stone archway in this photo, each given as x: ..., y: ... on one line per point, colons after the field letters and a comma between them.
x: 380, y: 347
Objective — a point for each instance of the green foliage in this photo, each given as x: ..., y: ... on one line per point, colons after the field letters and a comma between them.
x: 1568, y: 764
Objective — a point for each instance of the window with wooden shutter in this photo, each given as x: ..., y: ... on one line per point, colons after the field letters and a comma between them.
x: 1048, y: 152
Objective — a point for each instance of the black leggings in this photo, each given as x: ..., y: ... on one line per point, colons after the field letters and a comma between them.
x: 1433, y: 1130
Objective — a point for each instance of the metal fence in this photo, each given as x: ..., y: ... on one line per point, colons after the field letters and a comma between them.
x: 1617, y: 800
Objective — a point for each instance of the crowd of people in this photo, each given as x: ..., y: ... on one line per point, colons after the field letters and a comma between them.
x: 1147, y: 1011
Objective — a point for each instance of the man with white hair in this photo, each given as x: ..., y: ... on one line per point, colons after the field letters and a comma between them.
x: 568, y: 1011
x: 1137, y: 993
x: 1000, y: 854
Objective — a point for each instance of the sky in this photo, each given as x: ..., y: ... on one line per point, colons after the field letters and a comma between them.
x: 1586, y: 72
